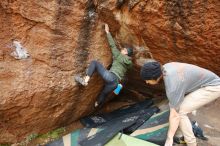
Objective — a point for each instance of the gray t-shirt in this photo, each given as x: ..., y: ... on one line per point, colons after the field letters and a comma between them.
x: 181, y: 79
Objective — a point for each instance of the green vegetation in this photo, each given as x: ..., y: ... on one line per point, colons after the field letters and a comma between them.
x: 31, y: 137
x: 53, y: 134
x: 5, y: 144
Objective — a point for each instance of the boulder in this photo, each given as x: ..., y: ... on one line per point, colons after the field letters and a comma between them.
x: 58, y: 38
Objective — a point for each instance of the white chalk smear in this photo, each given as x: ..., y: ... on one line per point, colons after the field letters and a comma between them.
x: 208, y: 126
x: 19, y: 51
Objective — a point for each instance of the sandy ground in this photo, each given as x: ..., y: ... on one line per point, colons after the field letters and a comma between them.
x: 208, y: 118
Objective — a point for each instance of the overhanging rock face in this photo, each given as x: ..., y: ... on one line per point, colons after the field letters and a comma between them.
x: 59, y: 38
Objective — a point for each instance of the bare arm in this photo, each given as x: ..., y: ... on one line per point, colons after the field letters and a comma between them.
x: 114, y: 49
x: 174, y: 120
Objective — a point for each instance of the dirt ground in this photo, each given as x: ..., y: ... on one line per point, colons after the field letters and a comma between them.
x: 208, y: 118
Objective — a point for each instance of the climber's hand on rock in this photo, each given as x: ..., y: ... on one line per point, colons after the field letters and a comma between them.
x: 106, y: 28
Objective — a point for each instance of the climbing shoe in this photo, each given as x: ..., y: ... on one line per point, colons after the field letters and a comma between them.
x: 96, y: 104
x: 80, y: 80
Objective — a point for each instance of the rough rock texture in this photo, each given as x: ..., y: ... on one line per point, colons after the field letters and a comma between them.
x: 181, y: 30
x: 38, y: 94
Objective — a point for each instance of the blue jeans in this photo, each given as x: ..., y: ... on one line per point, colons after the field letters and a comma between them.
x: 111, y: 80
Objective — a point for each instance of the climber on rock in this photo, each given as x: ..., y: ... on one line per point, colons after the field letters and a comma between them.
x: 122, y: 61
x: 188, y: 87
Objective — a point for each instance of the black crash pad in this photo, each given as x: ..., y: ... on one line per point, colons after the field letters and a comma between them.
x: 94, y: 121
x: 112, y: 127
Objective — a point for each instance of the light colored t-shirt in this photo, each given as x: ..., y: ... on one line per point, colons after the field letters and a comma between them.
x: 182, y: 78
